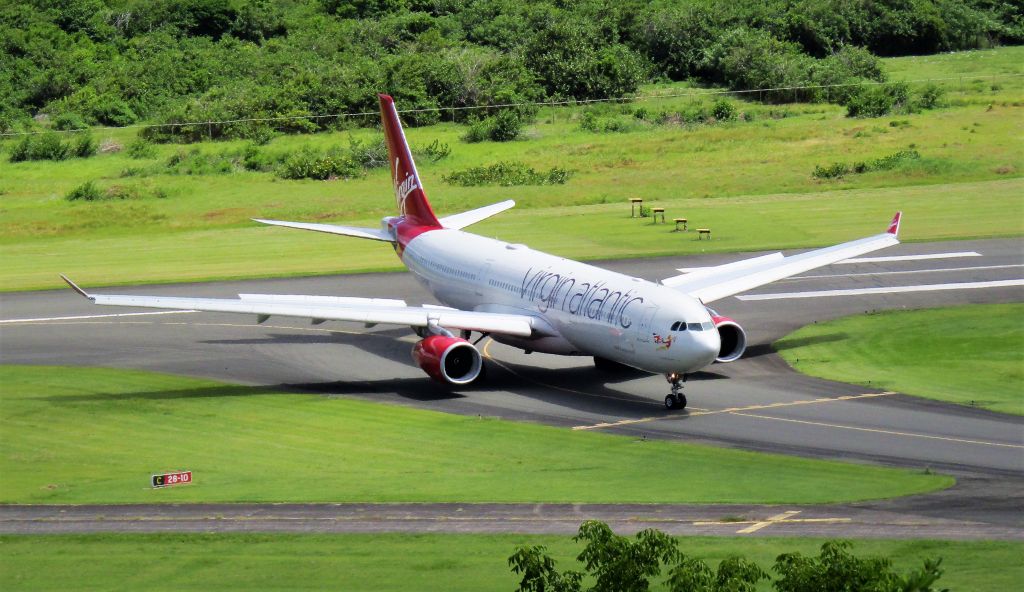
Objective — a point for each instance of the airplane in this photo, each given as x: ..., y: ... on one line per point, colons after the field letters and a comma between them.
x: 525, y: 298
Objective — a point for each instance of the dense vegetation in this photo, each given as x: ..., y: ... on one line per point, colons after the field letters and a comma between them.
x: 118, y: 62
x: 615, y: 563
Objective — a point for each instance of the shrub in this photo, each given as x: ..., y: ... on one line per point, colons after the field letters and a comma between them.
x: 478, y: 131
x: 367, y: 155
x: 507, y: 173
x: 876, y: 101
x: 723, y: 110
x: 434, y: 151
x: 506, y: 126
x: 592, y: 123
x: 85, y: 146
x: 503, y: 127
x: 893, y: 160
x: 885, y: 163
x: 308, y: 164
x: 69, y: 121
x: 197, y: 162
x: 85, y: 192
x: 46, y: 146
x: 88, y: 191
x: 930, y: 96
x: 139, y: 148
x: 832, y: 171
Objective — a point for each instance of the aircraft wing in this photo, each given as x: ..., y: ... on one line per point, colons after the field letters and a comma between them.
x: 327, y: 308
x: 356, y: 231
x: 713, y: 283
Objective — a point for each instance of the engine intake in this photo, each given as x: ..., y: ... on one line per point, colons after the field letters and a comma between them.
x: 451, y: 360
x: 733, y: 337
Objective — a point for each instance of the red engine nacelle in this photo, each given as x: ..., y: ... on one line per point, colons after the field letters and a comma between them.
x: 451, y: 360
x: 734, y: 338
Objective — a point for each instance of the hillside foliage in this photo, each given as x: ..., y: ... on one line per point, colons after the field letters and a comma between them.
x: 119, y: 62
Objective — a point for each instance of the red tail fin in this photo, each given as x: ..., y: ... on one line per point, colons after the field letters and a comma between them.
x: 894, y: 226
x: 412, y: 200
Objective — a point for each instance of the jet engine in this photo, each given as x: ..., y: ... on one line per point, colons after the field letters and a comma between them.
x: 734, y: 338
x: 451, y: 360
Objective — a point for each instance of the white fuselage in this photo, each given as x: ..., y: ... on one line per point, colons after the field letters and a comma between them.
x: 582, y: 309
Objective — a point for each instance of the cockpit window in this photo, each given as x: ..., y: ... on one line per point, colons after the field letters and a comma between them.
x: 675, y: 326
x: 705, y: 326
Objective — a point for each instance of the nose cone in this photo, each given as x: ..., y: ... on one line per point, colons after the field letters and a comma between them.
x: 708, y: 346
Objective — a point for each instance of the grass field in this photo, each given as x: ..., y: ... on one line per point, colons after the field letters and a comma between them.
x: 95, y: 435
x: 414, y: 562
x: 749, y: 181
x: 972, y: 355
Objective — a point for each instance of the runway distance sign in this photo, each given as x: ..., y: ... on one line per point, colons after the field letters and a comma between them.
x: 171, y: 479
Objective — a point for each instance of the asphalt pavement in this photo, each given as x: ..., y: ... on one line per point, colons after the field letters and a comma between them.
x: 758, y: 403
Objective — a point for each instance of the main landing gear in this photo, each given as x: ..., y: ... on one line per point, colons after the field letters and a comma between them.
x: 676, y: 399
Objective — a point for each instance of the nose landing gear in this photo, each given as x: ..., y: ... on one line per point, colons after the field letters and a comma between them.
x: 676, y: 399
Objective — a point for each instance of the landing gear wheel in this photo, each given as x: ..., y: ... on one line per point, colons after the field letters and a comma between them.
x: 675, y: 399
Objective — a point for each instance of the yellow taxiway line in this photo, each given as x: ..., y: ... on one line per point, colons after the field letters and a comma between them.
x: 735, y: 410
x: 878, y: 431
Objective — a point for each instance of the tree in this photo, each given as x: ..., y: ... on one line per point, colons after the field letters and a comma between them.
x: 836, y: 570
x: 621, y: 564
x: 539, y: 573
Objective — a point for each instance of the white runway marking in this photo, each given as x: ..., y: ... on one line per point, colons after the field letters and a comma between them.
x: 909, y: 271
x: 873, y: 259
x: 909, y: 257
x: 879, y: 431
x: 104, y: 316
x: 885, y: 290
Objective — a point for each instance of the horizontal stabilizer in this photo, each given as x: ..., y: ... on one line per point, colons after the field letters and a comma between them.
x: 358, y: 232
x: 460, y: 221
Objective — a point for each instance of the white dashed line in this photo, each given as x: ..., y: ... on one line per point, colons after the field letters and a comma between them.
x: 906, y: 272
x: 105, y: 316
x: 909, y: 257
x: 885, y: 290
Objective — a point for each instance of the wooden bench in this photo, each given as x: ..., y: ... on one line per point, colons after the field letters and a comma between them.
x: 658, y: 212
x: 633, y: 203
x: 679, y: 221
x: 702, y: 231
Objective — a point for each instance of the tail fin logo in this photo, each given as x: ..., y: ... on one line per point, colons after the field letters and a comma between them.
x: 403, y: 187
x: 894, y: 226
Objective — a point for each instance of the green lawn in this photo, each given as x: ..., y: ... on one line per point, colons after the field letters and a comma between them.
x: 73, y: 435
x: 972, y: 355
x: 749, y: 181
x: 407, y: 561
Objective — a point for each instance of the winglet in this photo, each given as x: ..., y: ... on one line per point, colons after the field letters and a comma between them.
x: 75, y: 287
x: 894, y: 226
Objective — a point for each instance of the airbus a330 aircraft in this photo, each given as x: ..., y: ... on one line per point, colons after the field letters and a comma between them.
x: 525, y: 298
